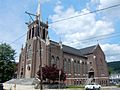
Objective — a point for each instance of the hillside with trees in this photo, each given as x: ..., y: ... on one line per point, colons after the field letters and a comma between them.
x: 114, y: 67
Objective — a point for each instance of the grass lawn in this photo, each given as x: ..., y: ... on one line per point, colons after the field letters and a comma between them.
x: 75, y: 86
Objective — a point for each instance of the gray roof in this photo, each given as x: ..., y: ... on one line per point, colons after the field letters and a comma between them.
x: 88, y: 50
x: 72, y: 50
x: 69, y: 49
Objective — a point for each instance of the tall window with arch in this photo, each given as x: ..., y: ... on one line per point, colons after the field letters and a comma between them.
x: 44, y: 33
x: 32, y: 32
x: 37, y: 33
x: 69, y: 66
x: 57, y: 62
x: 29, y: 34
x: 78, y: 67
x: 29, y: 52
x: 75, y: 67
x: 52, y: 61
x: 65, y: 65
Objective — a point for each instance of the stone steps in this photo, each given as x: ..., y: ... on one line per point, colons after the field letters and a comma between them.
x: 23, y: 81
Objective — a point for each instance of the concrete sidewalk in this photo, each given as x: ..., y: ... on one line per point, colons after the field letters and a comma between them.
x: 23, y: 87
x: 31, y: 87
x: 18, y: 87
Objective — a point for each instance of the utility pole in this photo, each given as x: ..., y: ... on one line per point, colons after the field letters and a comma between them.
x: 38, y: 38
x: 59, y: 77
x: 39, y: 28
x: 40, y: 67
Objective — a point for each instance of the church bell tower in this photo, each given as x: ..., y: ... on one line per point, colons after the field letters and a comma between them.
x: 35, y: 45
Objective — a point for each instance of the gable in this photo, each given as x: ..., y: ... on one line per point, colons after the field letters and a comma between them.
x: 98, y: 49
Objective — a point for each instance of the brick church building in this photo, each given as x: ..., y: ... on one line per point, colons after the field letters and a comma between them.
x: 80, y: 65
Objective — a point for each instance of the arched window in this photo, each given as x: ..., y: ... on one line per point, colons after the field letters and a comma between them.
x: 75, y: 67
x: 32, y: 32
x: 21, y: 74
x: 65, y: 65
x: 22, y: 69
x: 29, y: 33
x: 52, y: 60
x: 78, y: 67
x: 44, y: 33
x: 69, y: 66
x: 29, y: 52
x: 28, y: 68
x: 37, y: 33
x: 58, y: 62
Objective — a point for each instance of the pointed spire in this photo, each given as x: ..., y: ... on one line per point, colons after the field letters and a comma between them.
x: 60, y: 43
x: 38, y: 13
x: 38, y: 8
x: 47, y: 40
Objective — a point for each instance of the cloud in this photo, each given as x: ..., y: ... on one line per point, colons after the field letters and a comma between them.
x: 112, y: 51
x: 110, y: 13
x: 76, y: 29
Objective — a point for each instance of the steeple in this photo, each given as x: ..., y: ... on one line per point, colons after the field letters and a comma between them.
x: 60, y: 43
x: 38, y: 13
x: 38, y: 28
x: 47, y: 40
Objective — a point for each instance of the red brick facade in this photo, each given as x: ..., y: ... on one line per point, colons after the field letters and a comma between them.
x: 79, y: 65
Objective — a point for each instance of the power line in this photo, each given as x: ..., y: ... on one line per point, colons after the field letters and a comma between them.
x: 18, y: 38
x: 100, y: 37
x: 74, y: 17
x: 103, y: 36
x: 85, y: 14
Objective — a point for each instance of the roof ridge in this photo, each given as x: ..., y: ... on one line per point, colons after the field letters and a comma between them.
x: 88, y: 50
x: 88, y: 47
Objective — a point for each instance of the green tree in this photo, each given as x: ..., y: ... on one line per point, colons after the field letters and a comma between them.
x: 7, y: 62
x: 110, y: 71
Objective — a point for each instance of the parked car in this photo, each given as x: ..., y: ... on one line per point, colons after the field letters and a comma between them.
x: 93, y: 86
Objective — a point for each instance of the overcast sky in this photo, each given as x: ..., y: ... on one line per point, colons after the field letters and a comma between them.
x: 78, y: 32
